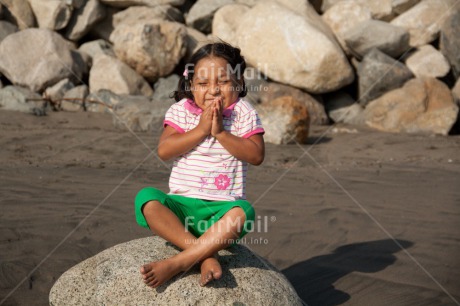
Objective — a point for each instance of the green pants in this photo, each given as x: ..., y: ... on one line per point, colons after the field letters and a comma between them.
x: 197, y: 215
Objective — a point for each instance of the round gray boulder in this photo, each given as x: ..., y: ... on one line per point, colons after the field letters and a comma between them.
x: 38, y: 58
x: 112, y: 277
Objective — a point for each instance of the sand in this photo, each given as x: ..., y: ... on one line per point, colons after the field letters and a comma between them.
x: 355, y: 217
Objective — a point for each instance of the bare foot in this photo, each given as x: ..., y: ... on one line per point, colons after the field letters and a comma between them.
x: 157, y: 273
x: 210, y: 269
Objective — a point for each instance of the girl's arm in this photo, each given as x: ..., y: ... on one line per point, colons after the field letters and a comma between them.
x: 173, y: 144
x: 251, y: 150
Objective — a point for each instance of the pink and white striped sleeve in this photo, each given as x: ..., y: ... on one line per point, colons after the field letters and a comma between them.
x: 175, y: 118
x: 250, y: 124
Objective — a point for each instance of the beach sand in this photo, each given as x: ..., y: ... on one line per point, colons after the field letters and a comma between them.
x: 355, y: 217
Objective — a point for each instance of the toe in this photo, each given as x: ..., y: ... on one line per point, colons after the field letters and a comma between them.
x: 217, y: 274
x: 145, y: 269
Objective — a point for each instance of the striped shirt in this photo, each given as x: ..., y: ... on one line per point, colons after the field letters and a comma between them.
x: 209, y: 171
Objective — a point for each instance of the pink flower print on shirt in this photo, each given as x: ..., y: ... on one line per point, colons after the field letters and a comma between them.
x: 222, y: 182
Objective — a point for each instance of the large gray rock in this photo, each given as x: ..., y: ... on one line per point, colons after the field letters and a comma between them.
x: 6, y: 28
x: 51, y: 14
x: 97, y: 47
x: 428, y: 62
x: 74, y: 99
x: 128, y: 3
x: 20, y: 99
x: 145, y: 14
x: 285, y: 120
x: 379, y: 73
x: 420, y: 106
x: 24, y: 63
x: 370, y: 34
x: 151, y: 49
x: 450, y: 40
x: 201, y: 14
x: 84, y: 18
x: 344, y: 16
x: 293, y: 47
x: 262, y: 92
x: 226, y: 21
x: 112, y: 74
x: 423, y: 20
x: 19, y: 13
x: 112, y: 278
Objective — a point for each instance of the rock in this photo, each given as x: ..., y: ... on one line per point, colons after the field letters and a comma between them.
x: 226, y: 21
x: 450, y: 41
x: 344, y: 16
x: 51, y: 14
x: 423, y: 20
x: 25, y: 64
x: 56, y: 92
x: 84, y: 18
x: 285, y: 120
x: 97, y: 47
x: 201, y: 14
x: 19, y: 13
x: 262, y: 92
x: 249, y: 3
x: 153, y: 50
x: 193, y: 41
x: 128, y: 3
x: 379, y: 73
x: 456, y: 92
x: 401, y: 6
x: 144, y: 14
x: 16, y: 98
x: 370, y: 34
x: 164, y: 87
x: 114, y: 75
x: 104, y: 28
x: 76, y: 3
x: 74, y: 99
x: 420, y: 106
x: 6, y: 28
x: 380, y: 9
x: 294, y: 48
x: 428, y: 62
x: 112, y: 278
x: 140, y: 114
x: 102, y: 101
x: 342, y: 108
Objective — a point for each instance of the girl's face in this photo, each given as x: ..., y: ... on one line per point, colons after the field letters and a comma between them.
x: 212, y: 79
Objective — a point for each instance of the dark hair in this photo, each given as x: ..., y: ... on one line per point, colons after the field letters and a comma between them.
x: 221, y: 49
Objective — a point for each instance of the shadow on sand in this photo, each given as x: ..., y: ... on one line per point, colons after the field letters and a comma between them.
x: 313, y: 279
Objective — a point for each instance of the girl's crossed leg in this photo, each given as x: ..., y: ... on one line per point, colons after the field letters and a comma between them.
x: 167, y: 225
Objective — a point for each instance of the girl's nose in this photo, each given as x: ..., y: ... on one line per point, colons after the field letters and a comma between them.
x: 214, y: 89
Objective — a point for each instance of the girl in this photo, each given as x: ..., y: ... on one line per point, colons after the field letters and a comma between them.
x: 212, y: 134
